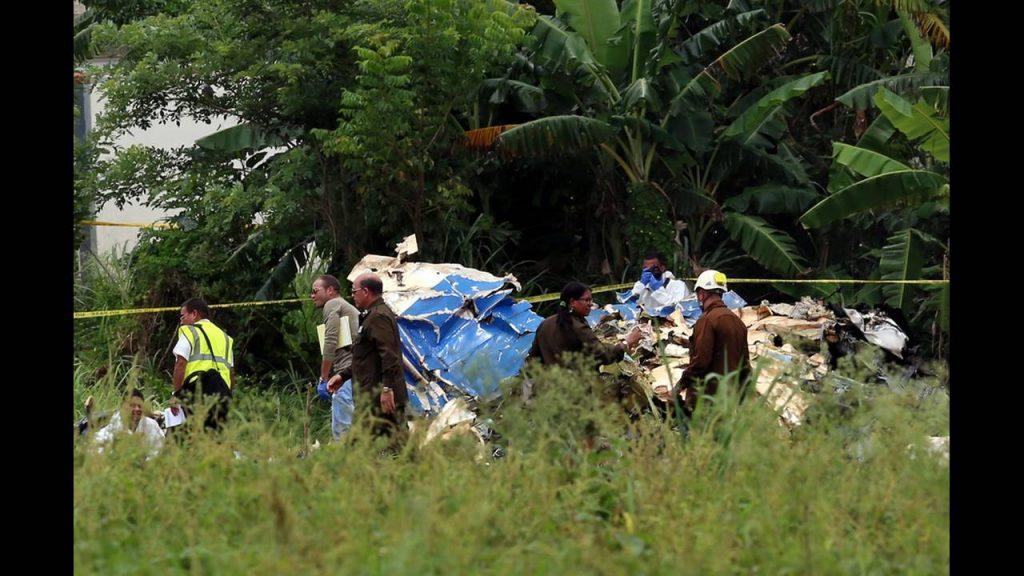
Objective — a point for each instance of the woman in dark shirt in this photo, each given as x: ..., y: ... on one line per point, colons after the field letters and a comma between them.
x: 568, y: 331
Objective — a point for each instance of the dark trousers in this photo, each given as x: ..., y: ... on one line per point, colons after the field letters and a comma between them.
x: 217, y: 416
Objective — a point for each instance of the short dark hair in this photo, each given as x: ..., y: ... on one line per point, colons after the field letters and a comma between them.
x: 330, y: 281
x: 655, y: 255
x: 136, y: 393
x: 197, y: 305
x: 373, y: 285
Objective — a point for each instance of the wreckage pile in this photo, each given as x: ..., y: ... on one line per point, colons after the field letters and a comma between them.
x: 772, y: 330
x: 462, y: 333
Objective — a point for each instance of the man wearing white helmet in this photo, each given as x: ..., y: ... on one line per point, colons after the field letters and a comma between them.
x: 718, y: 344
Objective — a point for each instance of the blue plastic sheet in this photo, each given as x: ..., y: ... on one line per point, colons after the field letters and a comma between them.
x: 691, y: 308
x: 627, y: 296
x: 465, y: 340
x: 629, y: 313
x: 595, y: 316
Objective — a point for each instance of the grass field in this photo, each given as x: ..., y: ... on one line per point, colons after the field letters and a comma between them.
x: 735, y: 493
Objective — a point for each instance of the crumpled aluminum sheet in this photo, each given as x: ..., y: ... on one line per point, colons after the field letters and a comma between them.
x: 879, y: 330
x: 460, y: 329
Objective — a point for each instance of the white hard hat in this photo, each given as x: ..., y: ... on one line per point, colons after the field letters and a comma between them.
x: 711, y: 280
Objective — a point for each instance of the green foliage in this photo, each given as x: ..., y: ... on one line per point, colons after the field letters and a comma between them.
x: 886, y: 190
x: 762, y: 124
x: 772, y: 199
x: 647, y: 223
x: 629, y: 114
x: 556, y: 135
x: 920, y: 123
x: 854, y: 490
x: 771, y: 247
x: 902, y: 259
x: 596, y: 21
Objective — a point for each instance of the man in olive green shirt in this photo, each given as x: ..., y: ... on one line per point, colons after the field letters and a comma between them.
x: 326, y: 294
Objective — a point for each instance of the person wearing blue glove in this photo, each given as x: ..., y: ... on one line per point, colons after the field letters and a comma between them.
x: 321, y: 390
x: 653, y: 275
x: 657, y: 290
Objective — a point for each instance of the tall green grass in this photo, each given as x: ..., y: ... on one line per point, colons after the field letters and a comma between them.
x: 580, y: 490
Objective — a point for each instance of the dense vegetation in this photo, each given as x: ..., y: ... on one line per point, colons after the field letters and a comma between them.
x: 769, y: 139
x: 855, y: 491
x: 782, y: 139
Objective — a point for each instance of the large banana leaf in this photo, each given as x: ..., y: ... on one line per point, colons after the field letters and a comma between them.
x: 703, y: 86
x: 555, y: 135
x: 692, y: 127
x: 648, y: 130
x: 285, y: 270
x: 745, y: 58
x: 860, y: 96
x: 758, y: 124
x: 555, y: 46
x: 864, y: 162
x: 639, y: 93
x: 921, y: 47
x: 902, y: 259
x: 881, y: 191
x: 526, y: 97
x: 918, y: 122
x: 772, y: 199
x: 237, y: 138
x: 937, y: 97
x: 689, y: 201
x: 770, y: 247
x: 740, y: 61
x: 732, y: 158
x: 640, y: 35
x: 717, y: 34
x: 596, y: 21
x: 877, y: 135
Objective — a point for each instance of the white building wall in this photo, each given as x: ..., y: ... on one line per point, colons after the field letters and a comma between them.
x: 164, y: 136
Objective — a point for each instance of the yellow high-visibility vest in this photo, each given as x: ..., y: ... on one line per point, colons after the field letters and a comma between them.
x: 221, y: 357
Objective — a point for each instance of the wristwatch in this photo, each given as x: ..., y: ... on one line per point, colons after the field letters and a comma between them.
x: 386, y: 389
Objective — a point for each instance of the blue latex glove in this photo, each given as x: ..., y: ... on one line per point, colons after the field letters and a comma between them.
x: 646, y: 277
x: 321, y: 391
x: 655, y: 283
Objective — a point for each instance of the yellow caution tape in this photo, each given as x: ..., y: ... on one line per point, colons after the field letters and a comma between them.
x: 595, y: 290
x: 531, y: 299
x: 610, y: 287
x: 826, y: 281
x: 127, y: 224
x: 128, y: 311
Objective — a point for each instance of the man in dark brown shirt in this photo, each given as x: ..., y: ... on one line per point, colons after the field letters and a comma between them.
x: 568, y: 331
x: 378, y: 385
x: 718, y: 344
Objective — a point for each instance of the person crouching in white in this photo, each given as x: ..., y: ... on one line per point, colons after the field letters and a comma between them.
x: 133, y: 414
x: 657, y: 287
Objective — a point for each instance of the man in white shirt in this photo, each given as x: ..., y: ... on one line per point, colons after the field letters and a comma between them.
x: 658, y: 288
x: 132, y: 413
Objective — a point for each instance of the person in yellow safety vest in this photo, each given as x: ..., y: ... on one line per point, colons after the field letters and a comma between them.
x: 203, y: 346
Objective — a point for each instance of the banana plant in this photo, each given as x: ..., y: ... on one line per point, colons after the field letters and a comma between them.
x: 866, y: 180
x: 650, y: 98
